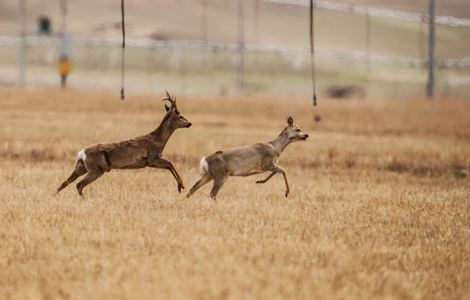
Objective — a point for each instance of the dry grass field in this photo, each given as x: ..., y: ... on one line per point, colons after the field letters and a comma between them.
x: 379, y: 205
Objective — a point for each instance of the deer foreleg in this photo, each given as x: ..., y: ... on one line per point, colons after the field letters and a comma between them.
x: 281, y: 170
x: 89, y: 178
x: 277, y: 169
x: 267, y: 178
x: 162, y: 163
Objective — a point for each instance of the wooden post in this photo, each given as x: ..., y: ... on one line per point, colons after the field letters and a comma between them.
x: 22, y: 56
x: 368, y: 40
x: 432, y: 47
x: 123, y: 56
x: 241, y: 46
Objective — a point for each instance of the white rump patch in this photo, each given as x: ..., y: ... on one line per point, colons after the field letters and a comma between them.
x: 204, y: 165
x: 81, y: 155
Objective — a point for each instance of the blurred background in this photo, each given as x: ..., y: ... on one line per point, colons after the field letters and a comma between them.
x: 373, y: 49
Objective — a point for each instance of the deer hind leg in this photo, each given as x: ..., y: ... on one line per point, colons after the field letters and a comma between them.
x: 89, y: 178
x: 218, y: 183
x: 217, y: 169
x: 79, y: 170
x: 205, y: 178
x: 96, y: 165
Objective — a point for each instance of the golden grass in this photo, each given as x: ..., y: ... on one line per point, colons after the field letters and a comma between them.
x: 379, y: 204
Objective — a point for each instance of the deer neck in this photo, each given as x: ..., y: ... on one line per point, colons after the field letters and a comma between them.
x: 163, y: 132
x: 281, y: 142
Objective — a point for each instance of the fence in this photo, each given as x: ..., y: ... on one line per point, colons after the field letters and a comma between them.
x: 102, y: 53
x: 199, y: 46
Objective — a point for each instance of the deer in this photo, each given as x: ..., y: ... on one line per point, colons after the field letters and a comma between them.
x: 140, y: 152
x: 247, y: 160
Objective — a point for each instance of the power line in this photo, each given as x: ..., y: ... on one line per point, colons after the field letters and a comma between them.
x: 12, y: 41
x: 375, y: 12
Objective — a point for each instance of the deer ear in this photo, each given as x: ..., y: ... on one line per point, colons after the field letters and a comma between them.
x: 290, y: 121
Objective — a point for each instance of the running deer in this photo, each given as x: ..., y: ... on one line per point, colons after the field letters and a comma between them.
x: 247, y: 160
x: 136, y: 153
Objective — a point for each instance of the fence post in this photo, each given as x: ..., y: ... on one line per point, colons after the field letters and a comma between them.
x: 65, y: 64
x: 431, y: 45
x: 22, y: 58
x: 241, y: 46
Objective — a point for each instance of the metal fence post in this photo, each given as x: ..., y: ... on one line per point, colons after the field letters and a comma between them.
x: 431, y: 45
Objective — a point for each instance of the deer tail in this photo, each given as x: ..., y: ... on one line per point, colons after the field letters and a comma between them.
x: 204, y: 166
x: 81, y: 155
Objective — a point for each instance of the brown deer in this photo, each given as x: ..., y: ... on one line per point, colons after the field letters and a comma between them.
x: 136, y: 153
x: 247, y: 160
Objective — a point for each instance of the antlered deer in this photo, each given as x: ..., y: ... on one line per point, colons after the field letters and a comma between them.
x: 139, y: 152
x: 248, y: 160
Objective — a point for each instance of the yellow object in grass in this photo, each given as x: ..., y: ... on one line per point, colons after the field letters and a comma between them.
x: 65, y: 66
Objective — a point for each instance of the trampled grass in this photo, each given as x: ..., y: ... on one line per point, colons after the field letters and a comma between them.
x: 379, y: 204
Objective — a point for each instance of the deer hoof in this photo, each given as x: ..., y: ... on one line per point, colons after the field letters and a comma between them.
x: 287, y: 193
x: 259, y: 181
x: 180, y: 187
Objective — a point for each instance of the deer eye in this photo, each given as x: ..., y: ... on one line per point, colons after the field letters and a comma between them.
x: 298, y: 130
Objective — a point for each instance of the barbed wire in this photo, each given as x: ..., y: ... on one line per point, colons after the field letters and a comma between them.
x: 376, y: 12
x: 37, y: 41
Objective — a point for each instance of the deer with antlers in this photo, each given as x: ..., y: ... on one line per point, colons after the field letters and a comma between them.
x: 136, y: 153
x: 248, y: 160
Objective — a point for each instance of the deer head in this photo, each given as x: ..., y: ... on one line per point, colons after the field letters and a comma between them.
x: 293, y: 132
x: 172, y: 113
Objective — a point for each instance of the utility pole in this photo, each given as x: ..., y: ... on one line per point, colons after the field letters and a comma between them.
x: 65, y: 65
x: 432, y: 48
x: 241, y: 46
x: 22, y: 57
